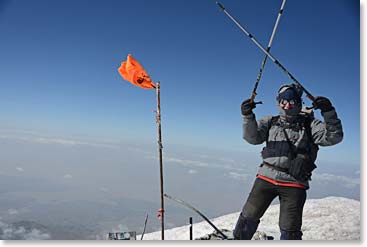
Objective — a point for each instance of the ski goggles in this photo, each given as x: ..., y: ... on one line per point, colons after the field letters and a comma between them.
x: 286, y: 101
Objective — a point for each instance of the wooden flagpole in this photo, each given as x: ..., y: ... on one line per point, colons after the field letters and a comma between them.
x: 160, y: 147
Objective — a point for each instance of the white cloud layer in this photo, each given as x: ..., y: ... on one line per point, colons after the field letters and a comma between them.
x: 187, y: 162
x: 8, y: 232
x: 238, y: 176
x: 345, y: 181
x: 19, y: 169
x: 12, y: 211
x: 59, y: 141
x: 191, y: 171
x: 68, y: 176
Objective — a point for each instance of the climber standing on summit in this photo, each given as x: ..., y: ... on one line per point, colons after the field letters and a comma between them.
x: 292, y: 140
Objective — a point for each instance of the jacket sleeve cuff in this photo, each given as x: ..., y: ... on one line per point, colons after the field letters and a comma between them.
x: 249, y: 116
x: 329, y: 114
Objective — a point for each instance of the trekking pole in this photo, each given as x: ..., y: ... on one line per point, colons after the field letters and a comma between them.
x: 253, y: 95
x: 198, y: 212
x: 309, y: 95
x: 145, y: 226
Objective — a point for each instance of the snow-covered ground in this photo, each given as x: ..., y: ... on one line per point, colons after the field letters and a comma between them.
x: 330, y: 218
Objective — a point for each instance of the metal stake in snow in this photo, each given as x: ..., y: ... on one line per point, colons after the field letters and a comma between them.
x: 309, y: 95
x: 190, y: 222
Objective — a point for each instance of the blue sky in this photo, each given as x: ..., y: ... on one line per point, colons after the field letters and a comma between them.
x: 59, y: 60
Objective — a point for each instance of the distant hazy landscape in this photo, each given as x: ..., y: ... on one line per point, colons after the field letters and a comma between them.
x: 55, y: 188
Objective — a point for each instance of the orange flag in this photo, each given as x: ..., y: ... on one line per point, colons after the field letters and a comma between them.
x: 133, y: 72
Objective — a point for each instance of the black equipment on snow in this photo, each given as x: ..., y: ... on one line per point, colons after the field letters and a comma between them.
x: 198, y: 212
x: 267, y: 53
x: 121, y: 236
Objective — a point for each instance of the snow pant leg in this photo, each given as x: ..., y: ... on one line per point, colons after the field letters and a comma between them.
x: 292, y: 201
x: 287, y: 235
x: 245, y: 228
x: 259, y: 199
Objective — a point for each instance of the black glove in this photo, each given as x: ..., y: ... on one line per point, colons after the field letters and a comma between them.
x: 323, y: 104
x: 301, y: 167
x: 247, y: 106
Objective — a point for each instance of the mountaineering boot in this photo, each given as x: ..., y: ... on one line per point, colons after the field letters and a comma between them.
x: 290, y: 235
x: 245, y: 228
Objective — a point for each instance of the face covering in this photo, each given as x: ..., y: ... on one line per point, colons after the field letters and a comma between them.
x: 289, y: 94
x: 290, y: 113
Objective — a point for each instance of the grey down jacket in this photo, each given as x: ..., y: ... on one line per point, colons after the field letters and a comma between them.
x: 277, y: 148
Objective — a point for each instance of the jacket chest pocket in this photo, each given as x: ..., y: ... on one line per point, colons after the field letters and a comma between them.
x: 292, y: 135
x: 276, y: 134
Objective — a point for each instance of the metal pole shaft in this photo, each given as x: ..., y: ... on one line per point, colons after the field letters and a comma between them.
x: 268, y: 49
x: 277, y: 23
x: 190, y: 221
x: 309, y: 95
x: 160, y: 147
x: 198, y: 212
x: 145, y: 226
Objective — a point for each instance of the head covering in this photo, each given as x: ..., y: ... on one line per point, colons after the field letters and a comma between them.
x: 290, y: 92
